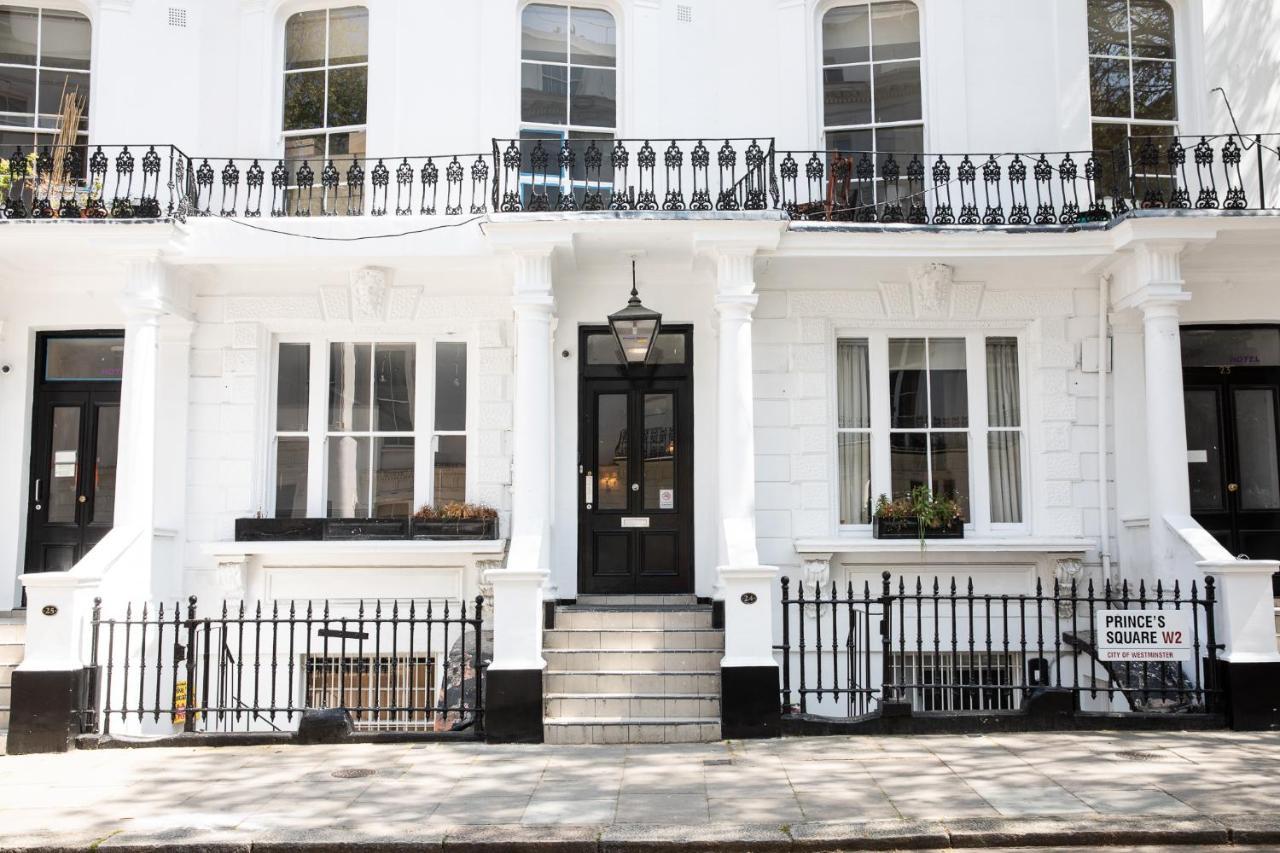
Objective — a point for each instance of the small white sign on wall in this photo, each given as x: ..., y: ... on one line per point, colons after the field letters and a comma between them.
x: 666, y: 498
x: 1143, y: 635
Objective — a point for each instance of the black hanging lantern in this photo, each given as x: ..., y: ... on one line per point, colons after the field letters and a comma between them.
x: 635, y: 327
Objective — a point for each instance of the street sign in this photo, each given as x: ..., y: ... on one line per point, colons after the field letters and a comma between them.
x: 1143, y: 635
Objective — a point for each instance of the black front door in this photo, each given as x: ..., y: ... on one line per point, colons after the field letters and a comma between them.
x: 75, y: 430
x: 635, y: 473
x: 1231, y: 388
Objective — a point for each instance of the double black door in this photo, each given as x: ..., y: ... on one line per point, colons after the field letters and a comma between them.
x: 636, y: 467
x: 74, y: 440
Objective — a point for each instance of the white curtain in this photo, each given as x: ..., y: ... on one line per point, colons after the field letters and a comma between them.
x: 854, y: 413
x: 1004, y: 447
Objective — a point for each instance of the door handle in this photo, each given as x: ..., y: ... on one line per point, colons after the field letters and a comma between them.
x: 38, y: 482
x: 635, y: 487
x: 1233, y: 487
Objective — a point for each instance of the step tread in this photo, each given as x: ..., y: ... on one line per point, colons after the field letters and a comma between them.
x: 633, y: 608
x: 634, y: 631
x: 645, y: 695
x: 603, y: 650
x: 632, y: 672
x: 630, y: 721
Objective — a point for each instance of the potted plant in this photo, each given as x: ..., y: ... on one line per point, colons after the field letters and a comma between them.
x: 920, y: 514
x: 455, y: 520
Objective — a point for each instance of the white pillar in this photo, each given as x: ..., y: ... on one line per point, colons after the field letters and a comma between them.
x: 1246, y: 619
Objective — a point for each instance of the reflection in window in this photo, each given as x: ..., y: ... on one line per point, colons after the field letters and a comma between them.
x: 326, y: 71
x: 44, y: 58
x: 929, y: 417
x: 449, y: 468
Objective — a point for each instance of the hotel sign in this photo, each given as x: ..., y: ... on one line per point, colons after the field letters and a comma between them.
x: 1144, y: 635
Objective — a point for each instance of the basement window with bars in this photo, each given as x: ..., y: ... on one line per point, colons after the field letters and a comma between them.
x: 958, y: 681
x: 385, y: 692
x: 369, y: 429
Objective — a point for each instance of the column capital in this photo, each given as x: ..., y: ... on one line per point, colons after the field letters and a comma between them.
x: 736, y: 306
x: 150, y: 291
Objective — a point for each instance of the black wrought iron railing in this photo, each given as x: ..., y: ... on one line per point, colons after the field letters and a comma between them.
x: 394, y: 665
x: 1229, y: 172
x: 845, y: 652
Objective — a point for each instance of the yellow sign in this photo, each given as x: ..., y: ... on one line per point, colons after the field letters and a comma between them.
x: 180, y: 703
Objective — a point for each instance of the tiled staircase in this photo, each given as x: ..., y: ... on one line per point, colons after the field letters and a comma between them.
x: 632, y: 669
x: 13, y: 632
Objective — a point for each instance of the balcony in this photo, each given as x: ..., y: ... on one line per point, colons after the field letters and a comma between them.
x: 1070, y: 190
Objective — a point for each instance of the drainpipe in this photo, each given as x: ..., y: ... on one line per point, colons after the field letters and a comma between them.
x: 1104, y: 512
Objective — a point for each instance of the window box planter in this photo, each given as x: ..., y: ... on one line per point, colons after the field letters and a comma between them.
x: 365, y: 529
x: 909, y: 528
x: 452, y: 529
x: 279, y: 529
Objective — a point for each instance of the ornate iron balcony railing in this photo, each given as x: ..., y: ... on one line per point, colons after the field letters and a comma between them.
x: 1230, y: 172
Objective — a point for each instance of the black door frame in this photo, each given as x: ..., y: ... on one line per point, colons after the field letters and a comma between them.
x: 90, y: 396
x: 1223, y: 380
x: 636, y: 380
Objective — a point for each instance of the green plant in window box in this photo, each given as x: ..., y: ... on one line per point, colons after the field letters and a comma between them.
x: 919, y: 514
x: 455, y: 520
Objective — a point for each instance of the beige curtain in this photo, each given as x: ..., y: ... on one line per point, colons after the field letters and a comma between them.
x: 1004, y: 447
x: 854, y: 412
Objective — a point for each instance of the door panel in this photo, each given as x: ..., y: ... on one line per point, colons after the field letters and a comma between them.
x: 1255, y: 423
x: 62, y: 464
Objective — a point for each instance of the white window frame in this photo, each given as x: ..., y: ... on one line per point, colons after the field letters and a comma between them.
x: 318, y: 433
x: 326, y: 67
x: 1177, y: 62
x: 978, y: 502
x: 44, y: 136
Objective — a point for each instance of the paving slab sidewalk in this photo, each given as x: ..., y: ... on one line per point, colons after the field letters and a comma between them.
x: 1043, y: 790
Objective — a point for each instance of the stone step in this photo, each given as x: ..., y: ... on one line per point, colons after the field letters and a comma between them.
x: 6, y: 676
x: 632, y: 682
x: 631, y: 730
x: 682, y: 706
x: 632, y: 638
x: 611, y: 617
x: 636, y: 600
x: 638, y: 660
x: 4, y: 718
x: 13, y: 632
x: 11, y: 655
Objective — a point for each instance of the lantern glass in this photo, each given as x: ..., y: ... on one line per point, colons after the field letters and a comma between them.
x: 635, y: 337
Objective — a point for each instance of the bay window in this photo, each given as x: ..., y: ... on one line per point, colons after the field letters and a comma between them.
x: 350, y: 439
x: 940, y: 411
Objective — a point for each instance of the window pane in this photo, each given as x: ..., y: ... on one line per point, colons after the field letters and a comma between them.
x: 291, y: 477
x: 393, y: 387
x: 849, y: 141
x: 54, y: 87
x: 855, y: 477
x: 1003, y: 405
x: 1109, y: 27
x: 900, y: 140
x: 347, y: 144
x: 18, y: 28
x: 451, y: 386
x: 349, y: 387
x: 659, y: 451
x: 897, y: 86
x: 304, y: 40
x: 348, y: 91
x: 612, y: 448
x: 348, y: 35
x: 895, y: 31
x: 1256, y: 446
x: 948, y: 384
x: 951, y: 467
x: 1109, y: 87
x: 449, y: 470
x: 1231, y: 347
x: 18, y: 96
x: 592, y: 99
x: 845, y: 35
x: 852, y: 384
x: 64, y: 40
x: 603, y: 349
x: 908, y: 461
x: 64, y: 464
x: 544, y: 93
x: 293, y: 387
x: 104, y: 465
x: 1152, y: 28
x: 668, y: 348
x: 593, y: 38
x: 1153, y: 89
x: 846, y: 94
x: 1110, y: 143
x: 908, y: 403
x: 544, y: 33
x: 1204, y: 449
x: 393, y: 478
x: 348, y: 477
x: 1004, y: 455
x: 304, y: 100
x: 84, y: 360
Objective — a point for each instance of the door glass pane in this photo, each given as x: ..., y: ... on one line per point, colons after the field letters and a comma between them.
x: 908, y: 461
x: 908, y: 403
x: 393, y: 477
x: 291, y: 477
x: 451, y: 386
x: 349, y: 387
x: 948, y: 384
x: 293, y: 388
x: 659, y: 451
x: 393, y: 386
x: 855, y: 477
x: 668, y: 348
x: 84, y: 360
x: 951, y: 467
x: 1231, y: 347
x: 104, y: 465
x: 1204, y: 450
x: 348, y: 477
x: 1004, y: 461
x: 603, y: 349
x: 304, y: 100
x: 1256, y: 448
x: 1153, y: 95
x: 613, y: 477
x: 60, y: 485
x: 450, y: 469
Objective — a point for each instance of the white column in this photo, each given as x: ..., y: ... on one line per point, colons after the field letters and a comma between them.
x: 517, y: 589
